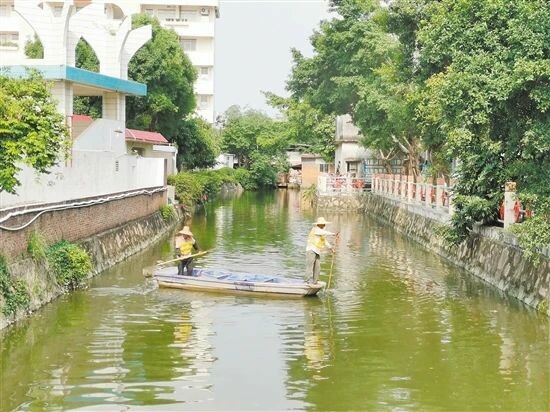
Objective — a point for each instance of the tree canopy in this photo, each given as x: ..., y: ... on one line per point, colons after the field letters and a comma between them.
x: 32, y: 131
x: 258, y: 141
x: 359, y: 68
x: 169, y: 75
x: 464, y: 82
x: 306, y: 125
x: 199, y: 144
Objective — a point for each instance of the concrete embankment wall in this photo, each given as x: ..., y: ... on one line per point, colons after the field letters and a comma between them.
x: 109, y: 232
x: 76, y: 223
x: 490, y: 253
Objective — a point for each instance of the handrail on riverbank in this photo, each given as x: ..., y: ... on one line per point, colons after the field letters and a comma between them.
x: 407, y: 189
x: 330, y: 185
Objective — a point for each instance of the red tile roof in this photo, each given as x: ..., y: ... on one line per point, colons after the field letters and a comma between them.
x: 146, y: 137
x: 81, y: 118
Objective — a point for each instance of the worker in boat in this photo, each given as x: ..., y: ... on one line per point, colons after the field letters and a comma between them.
x: 185, y: 244
x: 316, y: 243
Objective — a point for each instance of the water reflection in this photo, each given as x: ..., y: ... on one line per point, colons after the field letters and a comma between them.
x: 400, y: 329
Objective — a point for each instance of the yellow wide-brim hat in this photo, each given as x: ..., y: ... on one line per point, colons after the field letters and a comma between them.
x: 321, y: 221
x: 185, y: 231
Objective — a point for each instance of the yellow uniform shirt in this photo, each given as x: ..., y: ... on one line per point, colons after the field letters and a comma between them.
x: 317, y: 241
x: 186, y: 246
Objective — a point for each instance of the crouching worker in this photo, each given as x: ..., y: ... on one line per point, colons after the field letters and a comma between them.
x: 316, y: 244
x: 185, y: 244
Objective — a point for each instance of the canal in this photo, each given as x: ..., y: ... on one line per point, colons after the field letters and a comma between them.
x: 400, y: 329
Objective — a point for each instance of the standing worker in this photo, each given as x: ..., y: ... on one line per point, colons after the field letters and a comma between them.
x: 185, y: 243
x: 316, y: 243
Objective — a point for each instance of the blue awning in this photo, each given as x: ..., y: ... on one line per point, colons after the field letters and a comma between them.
x: 81, y: 77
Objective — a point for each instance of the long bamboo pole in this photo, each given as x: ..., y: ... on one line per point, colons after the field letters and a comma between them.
x: 336, y: 238
x: 204, y: 252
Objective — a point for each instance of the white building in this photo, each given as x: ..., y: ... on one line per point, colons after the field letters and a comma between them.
x: 352, y: 158
x: 349, y: 155
x: 194, y: 21
x: 100, y: 162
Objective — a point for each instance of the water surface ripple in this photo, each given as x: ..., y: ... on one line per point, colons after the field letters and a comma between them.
x: 401, y: 329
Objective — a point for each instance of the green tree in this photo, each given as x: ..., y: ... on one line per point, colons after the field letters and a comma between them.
x: 486, y: 98
x: 34, y: 48
x: 467, y: 81
x: 306, y: 125
x: 360, y: 68
x: 199, y: 144
x: 85, y: 58
x: 169, y: 75
x: 32, y: 131
x: 258, y: 141
x: 250, y: 131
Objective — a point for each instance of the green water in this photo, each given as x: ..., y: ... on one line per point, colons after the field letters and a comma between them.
x: 401, y: 329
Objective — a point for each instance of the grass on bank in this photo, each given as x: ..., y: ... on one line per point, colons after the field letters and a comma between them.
x: 15, y: 295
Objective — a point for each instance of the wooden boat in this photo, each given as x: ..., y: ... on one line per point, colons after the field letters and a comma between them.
x: 223, y: 281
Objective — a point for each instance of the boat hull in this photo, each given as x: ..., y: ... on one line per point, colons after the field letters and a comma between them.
x: 223, y: 282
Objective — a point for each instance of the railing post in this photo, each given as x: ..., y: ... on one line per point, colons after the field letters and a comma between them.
x: 321, y: 184
x: 509, y: 203
x: 439, y: 194
x: 410, y: 183
x: 427, y: 194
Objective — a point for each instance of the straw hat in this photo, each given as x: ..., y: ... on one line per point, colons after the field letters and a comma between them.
x: 321, y: 221
x: 185, y: 231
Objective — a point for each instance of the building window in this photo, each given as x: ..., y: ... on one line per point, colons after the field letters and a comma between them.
x: 9, y: 38
x: 189, y: 15
x: 57, y: 10
x: 204, y: 71
x: 203, y: 101
x: 189, y: 44
x: 323, y: 168
x: 149, y: 12
x: 166, y: 14
x: 5, y: 10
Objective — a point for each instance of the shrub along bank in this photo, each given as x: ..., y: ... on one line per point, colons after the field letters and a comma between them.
x: 69, y: 263
x: 194, y: 187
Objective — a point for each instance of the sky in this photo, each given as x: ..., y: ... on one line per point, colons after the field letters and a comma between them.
x: 253, y: 42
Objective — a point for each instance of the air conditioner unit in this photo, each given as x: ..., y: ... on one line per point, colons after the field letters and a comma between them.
x: 205, y: 11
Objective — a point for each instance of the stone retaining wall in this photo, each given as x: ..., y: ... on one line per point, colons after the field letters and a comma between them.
x: 106, y: 249
x: 490, y: 252
x: 77, y: 223
x: 342, y: 203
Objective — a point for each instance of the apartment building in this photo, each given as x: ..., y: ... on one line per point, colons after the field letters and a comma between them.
x: 194, y: 21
